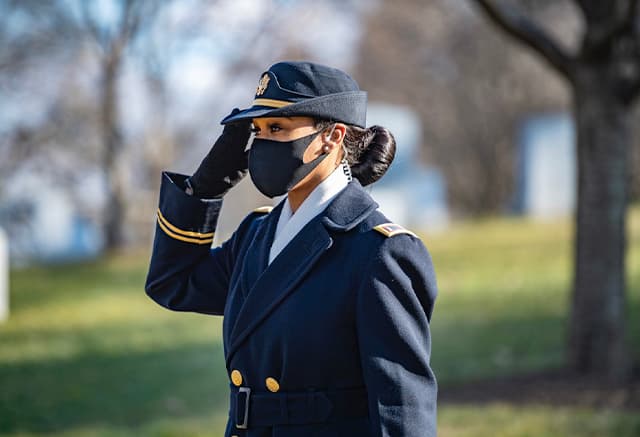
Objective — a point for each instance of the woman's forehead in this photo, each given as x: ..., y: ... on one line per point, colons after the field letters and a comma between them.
x: 297, y: 121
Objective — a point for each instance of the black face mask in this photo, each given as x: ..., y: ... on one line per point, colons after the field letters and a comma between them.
x: 276, y: 166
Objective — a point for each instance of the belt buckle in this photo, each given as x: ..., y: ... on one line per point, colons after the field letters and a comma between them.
x: 243, y: 394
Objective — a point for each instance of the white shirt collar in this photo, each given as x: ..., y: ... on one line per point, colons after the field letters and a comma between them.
x: 290, y: 224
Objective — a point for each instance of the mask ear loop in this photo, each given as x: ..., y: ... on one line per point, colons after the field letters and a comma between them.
x: 333, y: 128
x: 345, y: 165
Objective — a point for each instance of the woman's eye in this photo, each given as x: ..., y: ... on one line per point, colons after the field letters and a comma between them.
x: 274, y: 128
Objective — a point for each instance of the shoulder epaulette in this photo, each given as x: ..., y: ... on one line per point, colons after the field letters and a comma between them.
x: 263, y: 209
x: 391, y: 229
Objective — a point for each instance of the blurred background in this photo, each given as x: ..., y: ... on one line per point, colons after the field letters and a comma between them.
x: 495, y: 106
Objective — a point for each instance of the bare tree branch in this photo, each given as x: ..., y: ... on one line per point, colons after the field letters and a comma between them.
x: 49, y: 30
x: 528, y: 33
x: 131, y: 19
x: 604, y: 29
x: 91, y: 27
x: 596, y: 10
x: 621, y: 12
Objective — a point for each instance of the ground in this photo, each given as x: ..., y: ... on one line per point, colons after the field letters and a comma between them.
x: 554, y: 388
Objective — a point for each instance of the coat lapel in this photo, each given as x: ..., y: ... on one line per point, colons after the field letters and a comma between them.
x: 279, y: 279
x: 257, y: 257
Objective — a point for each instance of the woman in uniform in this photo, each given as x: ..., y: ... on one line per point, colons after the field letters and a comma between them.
x: 326, y: 303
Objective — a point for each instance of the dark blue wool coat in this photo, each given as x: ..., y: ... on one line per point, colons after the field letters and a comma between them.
x: 332, y: 338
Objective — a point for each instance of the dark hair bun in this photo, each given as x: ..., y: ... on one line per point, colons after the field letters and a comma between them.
x: 379, y: 150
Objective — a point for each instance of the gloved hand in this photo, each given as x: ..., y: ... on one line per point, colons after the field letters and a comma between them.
x: 226, y: 163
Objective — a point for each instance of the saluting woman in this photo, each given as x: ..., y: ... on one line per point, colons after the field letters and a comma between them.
x: 326, y: 304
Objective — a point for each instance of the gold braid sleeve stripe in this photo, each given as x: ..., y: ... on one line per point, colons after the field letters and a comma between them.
x: 180, y: 231
x: 181, y: 238
x: 272, y: 103
x: 179, y: 234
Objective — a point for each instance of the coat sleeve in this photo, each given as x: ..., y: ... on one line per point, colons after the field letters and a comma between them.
x: 394, y: 307
x: 185, y: 273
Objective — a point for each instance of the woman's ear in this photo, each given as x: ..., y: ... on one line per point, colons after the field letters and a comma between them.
x: 334, y: 136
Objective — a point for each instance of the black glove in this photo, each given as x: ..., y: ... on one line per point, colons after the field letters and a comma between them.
x: 225, y: 164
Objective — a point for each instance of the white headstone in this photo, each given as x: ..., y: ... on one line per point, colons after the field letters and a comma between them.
x: 4, y: 276
x: 549, y: 166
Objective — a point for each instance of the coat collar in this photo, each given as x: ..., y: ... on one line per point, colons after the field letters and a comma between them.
x: 351, y: 206
x: 269, y: 285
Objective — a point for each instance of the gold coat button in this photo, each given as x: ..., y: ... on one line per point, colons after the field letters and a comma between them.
x: 236, y: 378
x: 272, y: 384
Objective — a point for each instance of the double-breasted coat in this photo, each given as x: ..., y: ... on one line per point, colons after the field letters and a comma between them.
x: 330, y: 339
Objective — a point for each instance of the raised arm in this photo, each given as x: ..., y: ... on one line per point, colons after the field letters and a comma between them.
x: 185, y: 273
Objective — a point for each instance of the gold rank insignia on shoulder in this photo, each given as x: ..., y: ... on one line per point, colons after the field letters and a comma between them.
x: 391, y: 229
x: 262, y: 85
x: 263, y: 209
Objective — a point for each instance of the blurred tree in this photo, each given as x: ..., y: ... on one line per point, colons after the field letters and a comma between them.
x: 43, y: 61
x: 26, y: 37
x: 112, y: 35
x: 120, y: 85
x: 470, y: 88
x: 20, y: 43
x: 604, y: 74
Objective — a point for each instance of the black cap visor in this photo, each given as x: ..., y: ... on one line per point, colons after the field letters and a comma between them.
x: 347, y: 107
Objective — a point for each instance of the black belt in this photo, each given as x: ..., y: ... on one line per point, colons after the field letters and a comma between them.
x: 249, y: 408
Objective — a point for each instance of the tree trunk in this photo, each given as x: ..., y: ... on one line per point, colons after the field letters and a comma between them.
x: 597, y: 335
x: 112, y: 144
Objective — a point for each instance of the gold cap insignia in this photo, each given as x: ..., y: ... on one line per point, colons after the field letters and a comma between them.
x: 262, y: 85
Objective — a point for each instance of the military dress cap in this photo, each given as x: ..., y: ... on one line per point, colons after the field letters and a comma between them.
x: 308, y: 89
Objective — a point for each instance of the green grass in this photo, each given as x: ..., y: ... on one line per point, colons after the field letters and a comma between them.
x: 86, y: 353
x: 505, y: 296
